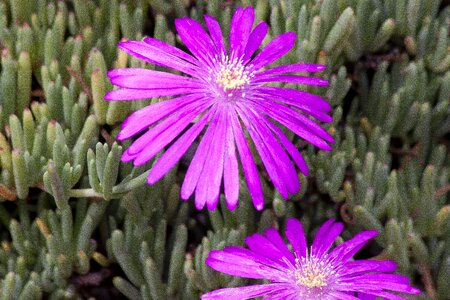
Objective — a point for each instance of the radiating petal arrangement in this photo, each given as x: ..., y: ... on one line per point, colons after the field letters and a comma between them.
x: 307, y: 273
x: 226, y: 97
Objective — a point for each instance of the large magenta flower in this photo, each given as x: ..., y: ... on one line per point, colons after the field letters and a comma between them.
x: 226, y: 92
x: 307, y: 274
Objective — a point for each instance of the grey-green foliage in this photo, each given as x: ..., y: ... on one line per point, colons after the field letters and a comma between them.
x: 66, y: 200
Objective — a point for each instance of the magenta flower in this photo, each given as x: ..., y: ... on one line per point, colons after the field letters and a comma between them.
x: 226, y: 92
x: 306, y: 274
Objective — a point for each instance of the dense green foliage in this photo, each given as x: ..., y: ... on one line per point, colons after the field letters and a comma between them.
x: 75, y: 222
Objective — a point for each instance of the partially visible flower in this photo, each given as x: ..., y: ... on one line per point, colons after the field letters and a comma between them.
x: 307, y: 273
x: 227, y: 92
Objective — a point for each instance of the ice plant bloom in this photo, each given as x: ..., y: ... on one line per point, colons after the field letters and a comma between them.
x: 307, y: 273
x: 229, y: 94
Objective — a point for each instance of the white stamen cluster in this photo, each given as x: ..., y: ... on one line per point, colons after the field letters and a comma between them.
x: 312, y: 272
x: 231, y: 75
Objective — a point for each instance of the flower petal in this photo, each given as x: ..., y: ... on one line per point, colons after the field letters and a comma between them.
x: 390, y: 282
x: 294, y: 121
x: 196, y: 166
x: 138, y: 94
x: 244, y: 292
x: 248, y: 254
x: 254, y: 41
x: 230, y: 168
x: 357, y: 267
x: 293, y: 68
x: 148, y: 145
x: 290, y: 148
x: 274, y: 50
x: 147, y: 116
x: 208, y: 186
x: 325, y: 237
x: 155, y: 81
x: 342, y: 296
x: 248, y: 164
x: 274, y: 158
x: 274, y: 236
x: 346, y: 250
x: 216, y: 34
x: 171, y: 50
x: 255, y: 256
x: 303, y: 98
x: 241, y: 26
x: 238, y: 265
x: 264, y: 246
x: 296, y: 236
x: 176, y: 151
x: 307, y: 109
x: 156, y: 56
x: 290, y: 79
x: 372, y: 295
x: 196, y: 40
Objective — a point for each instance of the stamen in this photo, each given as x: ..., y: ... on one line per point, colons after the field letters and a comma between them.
x: 312, y: 272
x: 232, y: 76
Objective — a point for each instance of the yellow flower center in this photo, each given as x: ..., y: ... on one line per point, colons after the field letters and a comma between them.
x: 232, y: 76
x: 311, y: 272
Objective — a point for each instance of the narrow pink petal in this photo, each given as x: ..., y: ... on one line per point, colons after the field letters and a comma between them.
x: 248, y: 164
x: 307, y: 109
x: 358, y: 267
x: 196, y: 166
x: 293, y: 68
x: 296, y: 236
x: 171, y: 50
x: 144, y: 72
x: 149, y: 115
x: 254, y: 256
x: 244, y: 292
x: 265, y: 247
x: 237, y: 265
x: 216, y: 34
x: 196, y: 39
x: 325, y: 237
x: 243, y: 266
x: 177, y: 150
x: 166, y: 135
x: 342, y: 296
x: 346, y: 250
x: 303, y: 98
x: 390, y: 282
x: 208, y: 186
x: 372, y: 295
x: 230, y: 168
x: 274, y: 158
x: 286, y: 294
x: 290, y: 148
x: 274, y: 50
x: 364, y: 296
x: 294, y: 121
x: 160, y: 79
x: 274, y: 236
x: 254, y: 41
x: 240, y: 28
x: 139, y: 94
x: 156, y: 56
x: 130, y: 71
x: 272, y: 169
x: 230, y: 267
x: 237, y: 15
x: 290, y: 79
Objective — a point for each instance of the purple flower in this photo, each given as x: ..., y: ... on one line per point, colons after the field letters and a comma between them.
x: 303, y: 273
x: 227, y: 93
